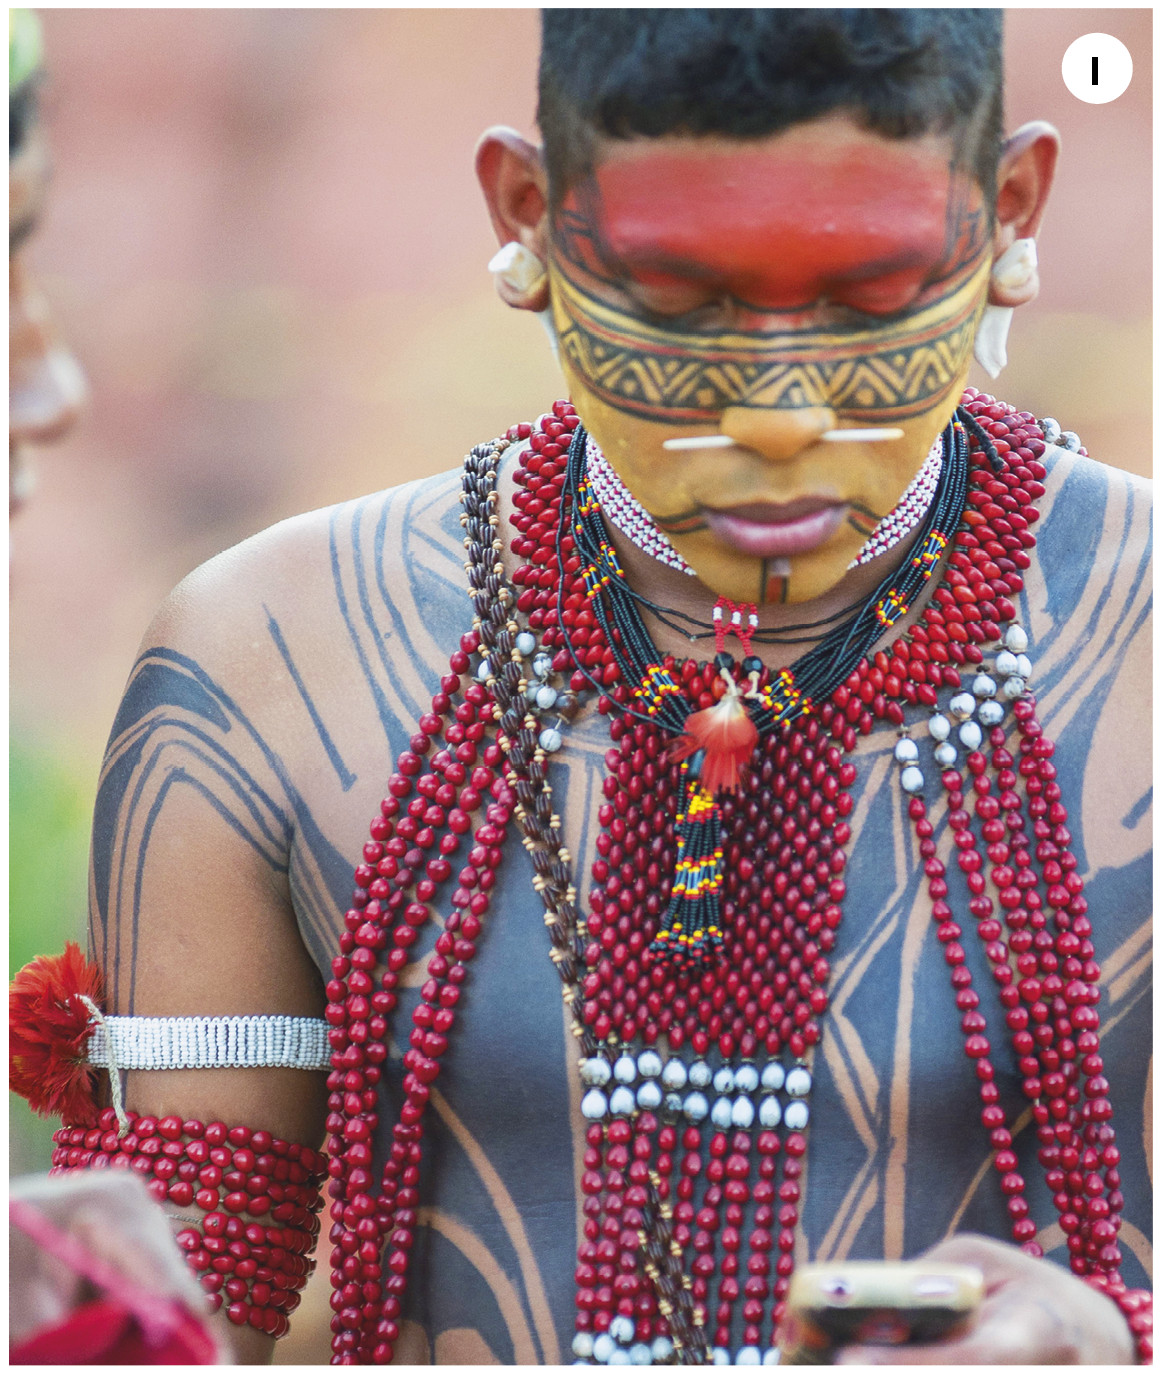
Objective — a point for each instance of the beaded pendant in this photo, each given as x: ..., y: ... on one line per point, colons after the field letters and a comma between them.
x: 716, y: 742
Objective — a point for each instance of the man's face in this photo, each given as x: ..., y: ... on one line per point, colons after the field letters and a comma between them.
x: 707, y: 284
x: 45, y: 384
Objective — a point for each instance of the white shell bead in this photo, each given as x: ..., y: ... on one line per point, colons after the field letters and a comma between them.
x: 1006, y: 663
x: 582, y: 1342
x: 1014, y: 687
x: 724, y: 1080
x: 906, y: 751
x: 1024, y: 665
x: 620, y: 1356
x: 594, y: 1105
x: 673, y: 1103
x: 749, y: 1354
x: 661, y: 1348
x: 700, y: 1074
x: 721, y: 1114
x: 911, y: 779
x: 673, y: 1075
x: 625, y: 1069
x: 742, y: 1113
x: 773, y: 1075
x: 546, y: 697
x: 772, y: 1356
x: 640, y: 1354
x: 696, y: 1107
x: 721, y: 1355
x: 649, y: 1064
x: 970, y: 735
x: 746, y: 1078
x: 542, y: 665
x: 622, y: 1329
x: 796, y: 1116
x: 1016, y: 639
x: 550, y: 740
x: 603, y: 1347
x: 945, y: 754
x: 649, y: 1096
x: 526, y: 643
x: 622, y: 1101
x: 962, y: 705
x: 991, y: 713
x: 769, y: 1112
x: 595, y: 1071
x: 983, y: 686
x: 798, y: 1081
x: 939, y: 727
x: 484, y: 671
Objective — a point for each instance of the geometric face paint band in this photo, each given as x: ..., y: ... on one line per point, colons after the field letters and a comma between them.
x: 893, y: 372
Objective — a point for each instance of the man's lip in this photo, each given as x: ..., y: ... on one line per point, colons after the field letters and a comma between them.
x: 773, y: 531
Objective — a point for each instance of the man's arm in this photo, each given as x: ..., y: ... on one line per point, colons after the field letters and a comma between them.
x: 190, y: 900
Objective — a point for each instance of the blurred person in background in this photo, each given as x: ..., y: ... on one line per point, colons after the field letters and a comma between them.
x: 94, y: 1274
x: 46, y: 386
x: 773, y: 424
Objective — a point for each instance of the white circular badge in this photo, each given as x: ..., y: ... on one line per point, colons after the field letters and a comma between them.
x: 1097, y: 68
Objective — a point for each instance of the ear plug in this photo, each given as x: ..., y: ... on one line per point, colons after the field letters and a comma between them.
x: 1013, y: 269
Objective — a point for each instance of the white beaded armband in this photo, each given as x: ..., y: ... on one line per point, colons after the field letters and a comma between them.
x: 210, y: 1042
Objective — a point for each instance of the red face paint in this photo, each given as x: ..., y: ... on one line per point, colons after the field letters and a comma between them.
x: 783, y: 224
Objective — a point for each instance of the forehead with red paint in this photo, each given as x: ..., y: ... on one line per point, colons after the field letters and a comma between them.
x: 823, y: 210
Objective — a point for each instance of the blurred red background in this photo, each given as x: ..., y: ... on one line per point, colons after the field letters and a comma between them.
x: 265, y: 240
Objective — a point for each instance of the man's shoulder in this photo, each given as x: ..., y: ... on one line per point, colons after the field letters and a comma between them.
x: 1093, y: 513
x: 308, y: 567
x: 1087, y: 474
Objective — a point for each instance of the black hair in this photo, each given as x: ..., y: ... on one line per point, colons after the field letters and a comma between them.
x: 621, y: 73
x: 22, y: 113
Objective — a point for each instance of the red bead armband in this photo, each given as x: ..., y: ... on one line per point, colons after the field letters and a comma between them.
x: 1136, y: 1305
x: 260, y: 1197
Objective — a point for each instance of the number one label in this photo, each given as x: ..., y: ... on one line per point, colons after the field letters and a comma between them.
x: 1097, y: 68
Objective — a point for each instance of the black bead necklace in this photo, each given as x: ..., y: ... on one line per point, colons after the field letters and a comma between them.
x: 690, y: 933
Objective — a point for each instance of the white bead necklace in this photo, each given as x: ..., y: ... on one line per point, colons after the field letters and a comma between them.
x: 622, y: 509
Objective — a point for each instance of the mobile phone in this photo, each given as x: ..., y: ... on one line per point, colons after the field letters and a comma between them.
x: 874, y: 1302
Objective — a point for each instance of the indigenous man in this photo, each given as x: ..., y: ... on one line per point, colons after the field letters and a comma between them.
x: 761, y: 233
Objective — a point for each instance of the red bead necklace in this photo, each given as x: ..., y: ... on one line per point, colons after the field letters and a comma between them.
x: 684, y: 1220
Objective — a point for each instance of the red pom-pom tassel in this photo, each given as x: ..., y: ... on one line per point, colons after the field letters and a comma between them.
x: 728, y: 736
x: 49, y: 1028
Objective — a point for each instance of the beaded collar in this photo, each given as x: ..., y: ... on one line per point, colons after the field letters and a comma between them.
x: 622, y: 509
x: 697, y: 1083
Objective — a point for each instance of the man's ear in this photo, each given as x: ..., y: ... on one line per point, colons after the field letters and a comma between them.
x: 515, y: 185
x: 1023, y: 181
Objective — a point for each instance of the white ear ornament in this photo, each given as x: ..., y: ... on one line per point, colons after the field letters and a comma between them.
x: 1012, y: 269
x: 517, y: 266
x: 520, y: 268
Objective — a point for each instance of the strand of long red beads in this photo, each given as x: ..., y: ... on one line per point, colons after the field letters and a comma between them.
x: 365, y: 1327
x: 1062, y: 1013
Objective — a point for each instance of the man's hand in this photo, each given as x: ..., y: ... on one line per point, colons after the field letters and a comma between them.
x: 1033, y: 1312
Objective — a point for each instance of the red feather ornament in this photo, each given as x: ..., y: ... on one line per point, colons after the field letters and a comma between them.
x: 49, y: 1028
x: 728, y: 736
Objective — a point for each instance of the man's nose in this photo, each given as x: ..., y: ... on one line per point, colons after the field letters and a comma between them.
x: 777, y: 434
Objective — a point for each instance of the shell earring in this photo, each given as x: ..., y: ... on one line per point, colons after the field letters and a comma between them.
x: 1012, y: 269
x: 519, y: 268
